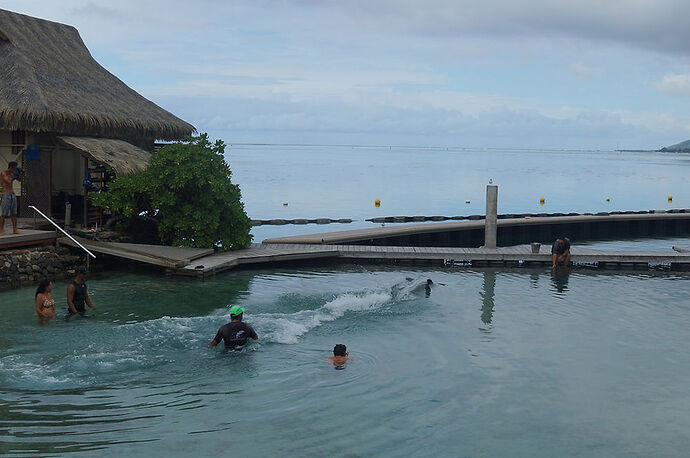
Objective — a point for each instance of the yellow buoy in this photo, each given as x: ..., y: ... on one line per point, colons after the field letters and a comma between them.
x: 670, y: 198
x: 377, y: 202
x: 541, y: 201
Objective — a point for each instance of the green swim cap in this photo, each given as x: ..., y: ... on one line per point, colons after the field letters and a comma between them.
x: 236, y: 310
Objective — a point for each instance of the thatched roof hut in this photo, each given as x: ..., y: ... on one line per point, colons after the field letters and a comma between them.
x: 50, y: 83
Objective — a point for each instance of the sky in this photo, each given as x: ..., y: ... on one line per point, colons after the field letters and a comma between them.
x: 582, y: 74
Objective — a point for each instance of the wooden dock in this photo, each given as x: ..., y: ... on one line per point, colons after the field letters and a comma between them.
x: 515, y: 255
x: 397, y: 232
x: 202, y: 263
x: 28, y: 237
x: 159, y: 255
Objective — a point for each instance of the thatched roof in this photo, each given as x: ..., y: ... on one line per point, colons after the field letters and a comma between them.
x: 50, y: 83
x: 123, y: 157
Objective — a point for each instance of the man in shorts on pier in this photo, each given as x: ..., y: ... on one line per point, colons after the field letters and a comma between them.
x: 236, y: 333
x: 8, y: 202
x: 560, y: 252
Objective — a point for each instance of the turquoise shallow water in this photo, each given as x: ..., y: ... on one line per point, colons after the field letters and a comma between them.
x: 511, y: 362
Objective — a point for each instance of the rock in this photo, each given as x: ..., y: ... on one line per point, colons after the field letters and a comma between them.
x: 35, y: 268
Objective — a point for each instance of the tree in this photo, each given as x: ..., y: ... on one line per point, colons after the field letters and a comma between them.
x: 187, y: 191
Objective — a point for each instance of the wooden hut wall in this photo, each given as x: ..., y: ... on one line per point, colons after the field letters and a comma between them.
x: 36, y: 185
x: 68, y: 171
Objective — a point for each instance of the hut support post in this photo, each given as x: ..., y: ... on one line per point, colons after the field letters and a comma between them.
x: 86, y: 192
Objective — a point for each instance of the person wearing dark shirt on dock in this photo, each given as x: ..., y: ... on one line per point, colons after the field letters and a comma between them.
x: 236, y: 333
x: 77, y: 295
x: 560, y: 252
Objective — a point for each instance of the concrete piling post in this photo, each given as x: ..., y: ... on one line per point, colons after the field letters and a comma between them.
x: 491, y: 222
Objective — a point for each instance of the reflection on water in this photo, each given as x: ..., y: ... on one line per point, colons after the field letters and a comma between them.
x: 559, y: 278
x: 487, y: 295
x: 138, y: 378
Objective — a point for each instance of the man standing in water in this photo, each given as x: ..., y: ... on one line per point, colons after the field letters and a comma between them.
x: 560, y: 252
x: 8, y: 202
x: 236, y: 332
x: 77, y: 296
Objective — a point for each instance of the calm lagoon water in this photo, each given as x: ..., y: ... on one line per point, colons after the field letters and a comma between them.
x: 343, y: 182
x: 509, y: 362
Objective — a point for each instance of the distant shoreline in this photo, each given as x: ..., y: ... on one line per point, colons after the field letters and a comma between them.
x: 637, y: 151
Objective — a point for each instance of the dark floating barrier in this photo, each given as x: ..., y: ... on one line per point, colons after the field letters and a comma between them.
x: 280, y: 222
x: 421, y: 218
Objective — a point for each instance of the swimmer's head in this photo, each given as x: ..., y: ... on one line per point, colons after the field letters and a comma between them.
x: 429, y: 282
x: 340, y: 350
x: 236, y: 312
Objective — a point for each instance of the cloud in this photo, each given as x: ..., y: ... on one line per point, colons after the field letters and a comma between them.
x: 674, y: 85
x: 582, y: 71
x: 449, y: 72
x: 651, y: 25
x: 239, y: 119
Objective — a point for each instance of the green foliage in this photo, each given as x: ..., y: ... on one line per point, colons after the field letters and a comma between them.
x: 187, y: 189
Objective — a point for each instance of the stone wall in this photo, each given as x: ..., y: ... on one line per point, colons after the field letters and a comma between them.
x: 25, y: 267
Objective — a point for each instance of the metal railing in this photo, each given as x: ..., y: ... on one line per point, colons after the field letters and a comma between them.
x: 63, y: 231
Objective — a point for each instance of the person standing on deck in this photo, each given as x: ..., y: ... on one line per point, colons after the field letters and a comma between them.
x: 236, y: 333
x: 8, y: 202
x: 77, y: 296
x: 560, y: 252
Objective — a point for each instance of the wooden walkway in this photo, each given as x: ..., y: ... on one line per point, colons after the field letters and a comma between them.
x: 159, y: 255
x: 515, y: 255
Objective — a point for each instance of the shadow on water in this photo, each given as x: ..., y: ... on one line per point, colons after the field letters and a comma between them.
x: 559, y: 278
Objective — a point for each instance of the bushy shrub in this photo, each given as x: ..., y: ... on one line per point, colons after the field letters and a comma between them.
x: 187, y: 190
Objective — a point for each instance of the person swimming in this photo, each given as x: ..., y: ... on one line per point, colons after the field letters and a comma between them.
x: 340, y: 356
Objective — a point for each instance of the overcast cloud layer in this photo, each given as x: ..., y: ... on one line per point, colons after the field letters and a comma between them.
x: 532, y: 73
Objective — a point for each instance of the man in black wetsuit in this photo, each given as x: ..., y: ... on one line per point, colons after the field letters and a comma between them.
x: 560, y: 252
x: 235, y: 333
x: 77, y: 296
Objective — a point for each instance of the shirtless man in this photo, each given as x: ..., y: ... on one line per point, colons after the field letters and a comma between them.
x: 340, y: 356
x: 8, y: 202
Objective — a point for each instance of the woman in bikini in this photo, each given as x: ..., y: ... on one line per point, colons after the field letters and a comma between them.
x: 45, y: 304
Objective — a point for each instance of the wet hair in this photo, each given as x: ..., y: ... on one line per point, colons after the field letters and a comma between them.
x: 429, y: 282
x: 339, y: 350
x: 80, y: 270
x: 42, y: 286
x: 11, y: 164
